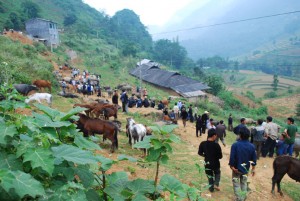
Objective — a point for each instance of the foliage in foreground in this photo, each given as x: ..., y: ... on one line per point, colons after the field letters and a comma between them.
x: 44, y: 157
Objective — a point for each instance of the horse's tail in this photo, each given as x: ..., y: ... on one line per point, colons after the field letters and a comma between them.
x: 116, y: 137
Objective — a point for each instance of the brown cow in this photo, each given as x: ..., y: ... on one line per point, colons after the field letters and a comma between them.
x: 41, y: 84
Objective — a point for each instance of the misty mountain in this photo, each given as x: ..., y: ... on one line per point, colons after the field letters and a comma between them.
x: 234, y: 39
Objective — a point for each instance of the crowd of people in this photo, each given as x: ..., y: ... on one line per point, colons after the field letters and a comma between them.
x: 263, y: 140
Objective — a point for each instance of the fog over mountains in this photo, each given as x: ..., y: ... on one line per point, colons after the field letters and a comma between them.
x: 230, y: 40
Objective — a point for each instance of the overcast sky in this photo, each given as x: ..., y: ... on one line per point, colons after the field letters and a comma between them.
x: 151, y: 12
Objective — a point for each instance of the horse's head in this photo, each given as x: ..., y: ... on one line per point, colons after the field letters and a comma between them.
x: 118, y: 124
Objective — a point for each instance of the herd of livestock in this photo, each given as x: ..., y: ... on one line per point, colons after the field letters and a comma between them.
x: 95, y: 119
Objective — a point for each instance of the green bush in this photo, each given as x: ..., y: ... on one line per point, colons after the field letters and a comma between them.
x: 271, y: 94
x: 41, y: 48
x: 230, y: 102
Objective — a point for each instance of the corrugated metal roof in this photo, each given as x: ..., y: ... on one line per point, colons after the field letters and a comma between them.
x: 190, y: 87
x: 193, y: 94
x: 41, y: 19
x: 150, y: 72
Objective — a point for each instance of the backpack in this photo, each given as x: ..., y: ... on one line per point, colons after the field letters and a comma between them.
x: 236, y: 130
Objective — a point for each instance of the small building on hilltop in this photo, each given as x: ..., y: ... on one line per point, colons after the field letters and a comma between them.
x: 174, y: 82
x: 43, y: 30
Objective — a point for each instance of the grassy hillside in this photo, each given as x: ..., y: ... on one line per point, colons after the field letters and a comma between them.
x: 24, y: 62
x: 88, y: 20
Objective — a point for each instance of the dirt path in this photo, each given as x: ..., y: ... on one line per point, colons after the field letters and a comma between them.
x: 260, y: 183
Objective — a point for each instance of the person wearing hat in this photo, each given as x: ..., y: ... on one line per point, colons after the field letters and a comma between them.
x: 204, y: 119
x: 212, y: 154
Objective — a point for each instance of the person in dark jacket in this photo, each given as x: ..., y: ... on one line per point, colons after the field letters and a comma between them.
x: 230, y: 121
x: 131, y: 101
x: 204, y: 118
x: 212, y: 154
x: 139, y: 102
x: 191, y: 114
x: 184, y: 116
x: 124, y: 99
x: 115, y: 98
x: 146, y: 102
x: 221, y: 132
x: 160, y: 106
x: 242, y: 155
x: 198, y: 126
x: 152, y: 103
x: 258, y: 137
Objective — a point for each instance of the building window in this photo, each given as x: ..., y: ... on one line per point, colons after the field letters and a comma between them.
x: 51, y: 25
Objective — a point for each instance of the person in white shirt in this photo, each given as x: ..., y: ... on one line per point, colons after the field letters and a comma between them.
x: 176, y: 111
x: 210, y: 124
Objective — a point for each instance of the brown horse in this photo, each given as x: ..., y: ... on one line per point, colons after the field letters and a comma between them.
x: 285, y: 165
x: 165, y: 102
x: 41, y: 84
x: 71, y: 88
x: 97, y: 126
x: 89, y: 107
x: 107, y: 110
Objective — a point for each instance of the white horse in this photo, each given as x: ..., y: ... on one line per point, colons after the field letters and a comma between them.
x: 136, y: 132
x: 40, y: 96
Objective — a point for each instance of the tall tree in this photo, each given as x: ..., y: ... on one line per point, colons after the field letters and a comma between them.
x: 127, y: 27
x: 215, y: 82
x: 275, y: 82
x: 169, y: 53
x: 31, y: 9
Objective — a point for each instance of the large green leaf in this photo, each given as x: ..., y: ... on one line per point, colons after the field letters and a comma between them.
x: 145, y: 143
x: 174, y: 138
x: 165, y: 129
x: 23, y: 146
x: 153, y: 154
x: 5, y: 131
x: 64, y: 195
x: 124, y: 157
x: 82, y: 142
x: 45, y: 121
x: 66, y: 116
x: 92, y: 195
x: 52, y: 113
x: 50, y: 133
x: 40, y: 157
x: 10, y: 162
x: 116, y: 176
x: 106, y: 163
x: 64, y: 169
x: 30, y: 123
x: 139, y: 197
x: 22, y: 183
x: 141, y: 187
x: 74, y: 154
x: 115, y: 189
x: 85, y: 175
x: 172, y: 184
